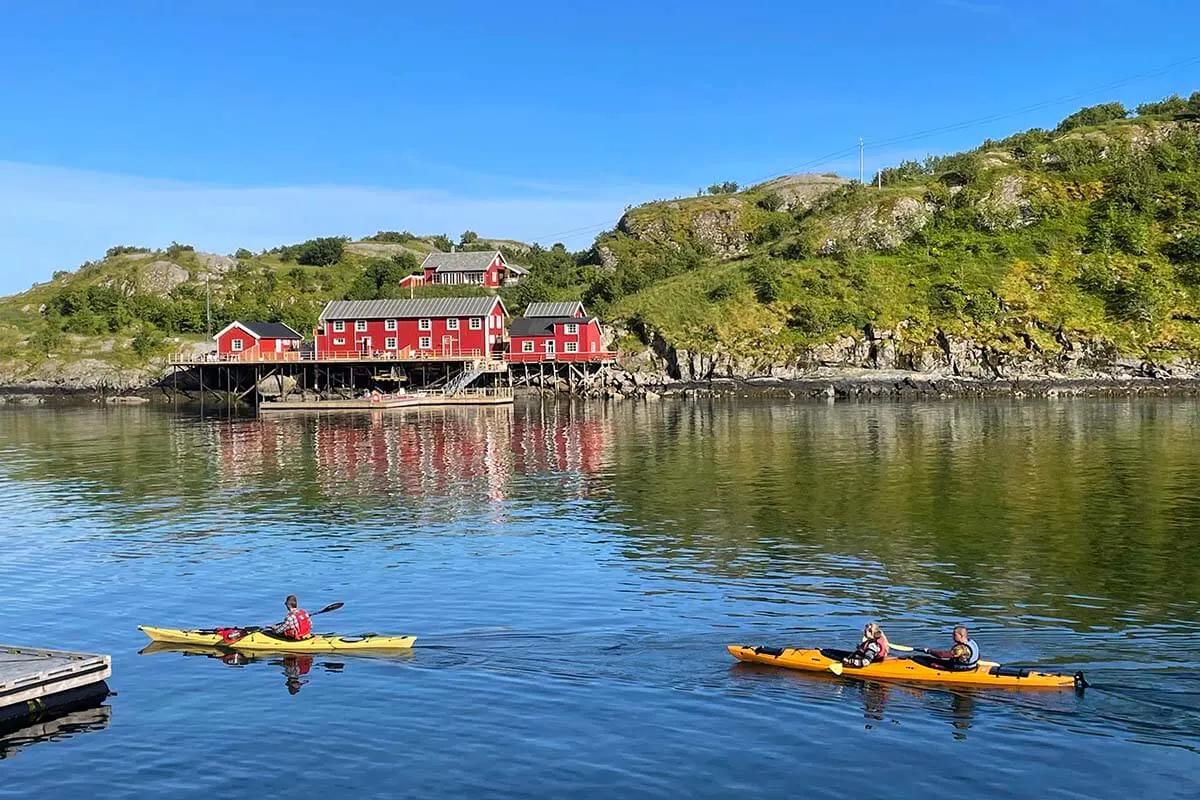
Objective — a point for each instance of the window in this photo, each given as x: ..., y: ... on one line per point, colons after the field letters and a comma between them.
x: 339, y: 340
x: 425, y: 325
x: 572, y: 328
x: 360, y: 326
x: 426, y: 343
x: 339, y: 326
x: 571, y: 347
x: 237, y: 345
x: 476, y: 324
x: 390, y: 343
x: 527, y: 346
x: 389, y: 325
x: 452, y: 324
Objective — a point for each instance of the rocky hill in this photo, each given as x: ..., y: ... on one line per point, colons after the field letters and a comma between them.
x: 1068, y: 253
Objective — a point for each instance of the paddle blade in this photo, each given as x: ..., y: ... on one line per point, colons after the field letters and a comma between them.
x: 836, y: 668
x: 328, y: 608
x: 903, y: 648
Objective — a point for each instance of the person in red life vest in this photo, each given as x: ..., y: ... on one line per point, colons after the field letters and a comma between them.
x: 963, y: 654
x: 296, y: 625
x: 873, y: 647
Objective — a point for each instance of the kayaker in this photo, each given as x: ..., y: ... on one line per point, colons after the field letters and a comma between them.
x: 296, y: 625
x: 873, y: 647
x: 963, y: 655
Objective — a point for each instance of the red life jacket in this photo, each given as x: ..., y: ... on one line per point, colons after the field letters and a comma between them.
x: 303, y: 623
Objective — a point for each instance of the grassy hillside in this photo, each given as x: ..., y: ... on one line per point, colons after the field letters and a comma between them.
x: 1090, y: 231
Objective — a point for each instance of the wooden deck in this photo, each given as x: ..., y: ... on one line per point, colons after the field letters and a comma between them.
x: 34, y: 681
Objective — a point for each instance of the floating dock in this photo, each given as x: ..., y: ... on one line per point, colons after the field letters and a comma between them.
x: 499, y: 395
x: 35, y: 682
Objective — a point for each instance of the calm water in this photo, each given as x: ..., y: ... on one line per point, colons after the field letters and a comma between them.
x: 573, y: 574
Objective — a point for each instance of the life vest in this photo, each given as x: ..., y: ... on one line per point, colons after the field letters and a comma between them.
x: 876, y: 649
x: 303, y: 623
x: 972, y: 657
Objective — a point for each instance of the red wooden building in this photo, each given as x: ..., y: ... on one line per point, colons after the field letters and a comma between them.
x: 558, y: 332
x: 256, y: 341
x: 481, y: 268
x: 425, y: 326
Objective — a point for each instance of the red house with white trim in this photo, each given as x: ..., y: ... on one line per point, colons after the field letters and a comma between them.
x: 258, y: 341
x: 420, y: 327
x: 557, y: 332
x: 479, y: 268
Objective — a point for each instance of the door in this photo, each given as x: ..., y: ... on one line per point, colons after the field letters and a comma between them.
x: 549, y: 348
x: 447, y: 345
x: 364, y: 345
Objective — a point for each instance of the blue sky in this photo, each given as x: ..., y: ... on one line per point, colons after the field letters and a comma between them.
x: 227, y: 124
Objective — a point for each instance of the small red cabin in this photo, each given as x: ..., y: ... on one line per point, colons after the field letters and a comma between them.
x: 558, y: 332
x: 414, y: 328
x: 481, y: 268
x: 258, y: 341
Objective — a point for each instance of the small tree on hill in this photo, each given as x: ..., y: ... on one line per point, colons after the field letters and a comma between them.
x: 1093, y: 115
x: 726, y: 187
x: 322, y: 252
x: 468, y: 237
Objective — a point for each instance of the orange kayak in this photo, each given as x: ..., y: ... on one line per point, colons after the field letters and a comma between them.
x: 918, y: 669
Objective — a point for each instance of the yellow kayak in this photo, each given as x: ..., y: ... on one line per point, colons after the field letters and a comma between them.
x: 910, y: 670
x: 267, y: 642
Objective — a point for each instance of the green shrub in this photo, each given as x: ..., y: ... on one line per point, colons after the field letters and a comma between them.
x: 766, y: 278
x: 1092, y: 115
x: 323, y: 252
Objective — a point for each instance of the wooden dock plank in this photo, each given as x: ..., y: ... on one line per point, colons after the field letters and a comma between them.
x: 32, y: 675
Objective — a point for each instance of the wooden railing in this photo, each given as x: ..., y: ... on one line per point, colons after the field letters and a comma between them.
x: 518, y: 358
x: 312, y: 357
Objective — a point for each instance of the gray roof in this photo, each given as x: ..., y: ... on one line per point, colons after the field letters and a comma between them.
x: 477, y: 261
x: 568, y: 309
x: 270, y: 330
x: 543, y: 326
x: 409, y: 309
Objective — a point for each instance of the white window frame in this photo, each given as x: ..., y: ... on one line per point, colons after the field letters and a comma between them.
x: 389, y: 325
x: 339, y: 326
x: 389, y: 343
x: 339, y: 340
x: 237, y: 345
x: 360, y: 326
x: 527, y: 346
x: 425, y: 343
x: 570, y: 347
x: 476, y: 323
x: 452, y: 324
x: 572, y: 328
x: 425, y: 324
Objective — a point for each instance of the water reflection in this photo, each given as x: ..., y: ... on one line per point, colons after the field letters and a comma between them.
x: 82, y: 717
x: 297, y: 669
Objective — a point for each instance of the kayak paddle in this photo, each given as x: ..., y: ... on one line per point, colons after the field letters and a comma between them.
x: 325, y: 610
x: 903, y: 648
x: 836, y: 668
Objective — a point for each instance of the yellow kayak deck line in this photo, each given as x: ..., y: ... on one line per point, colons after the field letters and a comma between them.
x: 258, y: 640
x: 911, y: 670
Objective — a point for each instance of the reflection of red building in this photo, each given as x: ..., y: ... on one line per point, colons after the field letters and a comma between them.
x: 453, y: 453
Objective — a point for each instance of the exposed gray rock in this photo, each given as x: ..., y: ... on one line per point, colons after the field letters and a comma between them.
x: 160, y: 277
x: 215, y: 264
x: 801, y: 192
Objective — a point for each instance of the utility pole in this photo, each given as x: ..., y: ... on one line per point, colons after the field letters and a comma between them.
x: 860, y: 161
x: 208, y: 304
